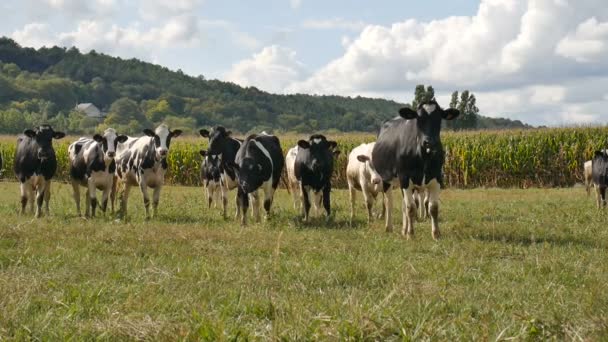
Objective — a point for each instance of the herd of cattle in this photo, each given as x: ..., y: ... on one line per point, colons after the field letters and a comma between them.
x: 408, y: 155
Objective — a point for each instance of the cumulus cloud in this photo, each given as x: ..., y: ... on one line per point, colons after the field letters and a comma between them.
x: 158, y: 9
x: 333, y: 24
x: 271, y: 69
x: 588, y: 44
x: 72, y: 8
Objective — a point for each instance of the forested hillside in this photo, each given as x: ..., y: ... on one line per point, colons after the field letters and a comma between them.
x: 45, y: 85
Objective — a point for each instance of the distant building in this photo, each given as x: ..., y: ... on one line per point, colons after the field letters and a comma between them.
x: 90, y: 110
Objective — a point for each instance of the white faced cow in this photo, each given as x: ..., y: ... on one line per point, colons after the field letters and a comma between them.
x: 35, y: 165
x: 409, y: 151
x: 313, y: 168
x: 92, y: 165
x: 223, y: 144
x: 143, y: 162
x: 211, y: 169
x: 258, y: 165
x: 361, y: 175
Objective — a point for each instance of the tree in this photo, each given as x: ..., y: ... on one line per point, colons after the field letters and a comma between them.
x: 125, y: 111
x: 422, y: 95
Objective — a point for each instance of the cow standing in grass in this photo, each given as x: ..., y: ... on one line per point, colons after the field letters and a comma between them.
x: 223, y: 144
x: 409, y: 153
x: 92, y: 165
x: 600, y: 176
x: 35, y: 165
x: 313, y: 169
x: 292, y: 181
x: 588, y: 175
x: 142, y: 162
x: 258, y: 165
x: 211, y: 175
x: 361, y: 176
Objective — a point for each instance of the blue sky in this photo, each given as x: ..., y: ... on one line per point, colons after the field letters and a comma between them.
x: 541, y: 61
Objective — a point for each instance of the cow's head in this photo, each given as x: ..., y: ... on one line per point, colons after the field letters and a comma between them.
x: 109, y: 140
x: 217, y: 138
x: 321, y: 151
x: 211, y: 164
x: 44, y: 135
x: 162, y: 139
x: 428, y: 118
x: 249, y: 169
x: 369, y: 168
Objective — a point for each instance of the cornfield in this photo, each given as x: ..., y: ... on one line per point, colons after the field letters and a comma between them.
x: 530, y: 158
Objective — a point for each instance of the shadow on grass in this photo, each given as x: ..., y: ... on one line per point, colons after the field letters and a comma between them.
x: 531, y: 239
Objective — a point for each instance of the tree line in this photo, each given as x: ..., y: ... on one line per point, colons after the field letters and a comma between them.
x: 44, y: 85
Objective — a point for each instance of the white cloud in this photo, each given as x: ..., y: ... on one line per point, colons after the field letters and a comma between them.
x: 589, y: 43
x: 159, y: 9
x: 333, y: 24
x: 73, y: 8
x: 34, y: 35
x: 272, y: 69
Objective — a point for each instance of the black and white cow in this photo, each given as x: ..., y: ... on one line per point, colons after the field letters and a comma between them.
x: 313, y: 169
x: 409, y: 152
x: 142, y: 162
x: 35, y: 165
x: 211, y: 175
x: 223, y: 144
x: 92, y: 165
x: 258, y: 165
x: 599, y: 174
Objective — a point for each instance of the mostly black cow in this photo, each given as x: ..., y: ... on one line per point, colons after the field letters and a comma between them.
x: 223, y: 144
x: 211, y: 175
x: 599, y: 174
x: 313, y: 169
x: 35, y: 165
x: 258, y: 165
x: 143, y: 161
x: 92, y: 165
x: 409, y: 152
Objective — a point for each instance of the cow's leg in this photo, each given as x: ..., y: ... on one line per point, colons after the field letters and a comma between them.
x: 305, y: 201
x: 113, y: 192
x: 409, y: 212
x: 237, y: 214
x: 255, y: 203
x: 327, y: 200
x: 209, y: 191
x: 433, y: 190
x: 383, y: 212
x: 124, y: 198
x: 388, y: 209
x: 242, y: 200
x: 40, y: 196
x: 76, y: 196
x: 598, y: 200
x: 156, y: 199
x: 92, y: 193
x: 87, y: 203
x: 47, y: 197
x: 224, y: 191
x: 603, y: 195
x: 105, y: 194
x: 24, y: 196
x: 295, y: 194
x: 369, y: 204
x: 352, y: 196
x: 144, y: 192
x: 31, y: 196
x: 317, y: 199
x: 268, y: 199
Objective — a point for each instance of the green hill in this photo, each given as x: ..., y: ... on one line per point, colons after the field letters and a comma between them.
x: 46, y: 84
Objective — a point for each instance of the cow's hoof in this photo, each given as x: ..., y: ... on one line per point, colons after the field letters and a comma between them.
x: 436, y: 235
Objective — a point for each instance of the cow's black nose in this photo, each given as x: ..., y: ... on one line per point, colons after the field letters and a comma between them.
x: 111, y: 154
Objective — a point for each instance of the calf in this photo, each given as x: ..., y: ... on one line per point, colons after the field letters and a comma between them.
x: 210, y: 175
x: 409, y: 152
x: 361, y: 175
x: 599, y: 174
x: 143, y: 162
x: 92, y: 165
x: 35, y: 164
x: 223, y: 144
x: 313, y: 169
x: 258, y: 164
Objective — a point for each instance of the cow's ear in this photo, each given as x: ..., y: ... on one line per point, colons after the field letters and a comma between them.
x: 29, y: 133
x: 176, y: 133
x: 98, y: 138
x: 332, y: 145
x: 599, y: 153
x: 58, y: 135
x: 362, y: 158
x: 122, y: 138
x: 450, y: 114
x: 203, y: 153
x: 304, y: 144
x: 228, y: 133
x: 408, y: 113
x: 149, y: 132
x: 204, y: 133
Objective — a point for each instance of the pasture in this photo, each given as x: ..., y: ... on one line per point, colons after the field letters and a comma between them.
x: 523, y: 264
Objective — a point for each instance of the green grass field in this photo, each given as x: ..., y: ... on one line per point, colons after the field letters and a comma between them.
x: 522, y: 264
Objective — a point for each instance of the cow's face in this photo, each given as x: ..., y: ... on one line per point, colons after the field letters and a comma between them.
x: 428, y: 118
x: 217, y: 138
x: 212, y: 164
x: 109, y: 140
x: 321, y: 152
x: 249, y: 174
x: 162, y: 139
x: 44, y: 135
x: 370, y: 169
